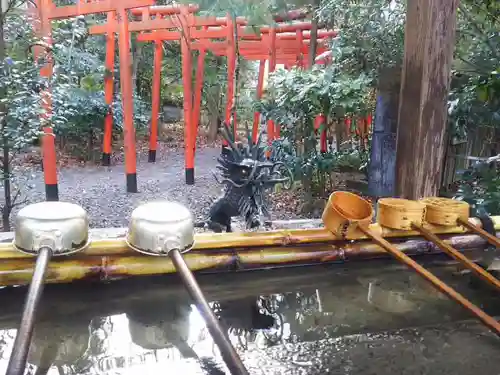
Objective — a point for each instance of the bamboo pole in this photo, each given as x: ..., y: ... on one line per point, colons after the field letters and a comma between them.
x: 116, y: 245
x: 107, y: 268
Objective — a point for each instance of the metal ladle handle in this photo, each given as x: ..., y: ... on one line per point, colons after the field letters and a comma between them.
x: 17, y: 361
x: 229, y: 355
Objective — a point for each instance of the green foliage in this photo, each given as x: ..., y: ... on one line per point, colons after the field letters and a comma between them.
x: 371, y: 34
x: 480, y: 187
x: 294, y: 98
x: 475, y: 94
x: 19, y: 84
x: 142, y: 113
x: 474, y: 102
x: 258, y: 12
x: 76, y: 86
x: 347, y: 160
x: 22, y: 103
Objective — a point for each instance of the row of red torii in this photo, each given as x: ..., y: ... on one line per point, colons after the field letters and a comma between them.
x: 285, y: 42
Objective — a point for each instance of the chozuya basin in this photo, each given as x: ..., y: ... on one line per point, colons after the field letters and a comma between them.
x: 157, y: 227
x: 62, y: 226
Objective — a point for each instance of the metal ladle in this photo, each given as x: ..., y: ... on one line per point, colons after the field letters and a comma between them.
x: 167, y: 229
x: 43, y: 229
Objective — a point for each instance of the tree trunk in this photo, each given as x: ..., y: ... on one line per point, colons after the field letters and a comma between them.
x: 307, y: 177
x: 314, y: 34
x: 213, y: 101
x: 422, y: 122
x: 90, y: 145
x: 339, y: 133
x: 137, y: 58
x: 213, y: 124
x: 7, y: 207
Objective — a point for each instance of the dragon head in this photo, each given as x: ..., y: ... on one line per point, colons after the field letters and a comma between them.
x: 245, y: 170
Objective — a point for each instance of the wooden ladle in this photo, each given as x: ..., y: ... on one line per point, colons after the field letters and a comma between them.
x: 451, y: 212
x: 346, y: 211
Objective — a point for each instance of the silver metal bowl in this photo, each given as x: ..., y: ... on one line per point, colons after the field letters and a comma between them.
x: 61, y: 226
x: 156, y: 228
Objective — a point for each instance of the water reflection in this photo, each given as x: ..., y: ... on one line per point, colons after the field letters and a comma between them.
x: 58, y: 345
x: 315, y: 321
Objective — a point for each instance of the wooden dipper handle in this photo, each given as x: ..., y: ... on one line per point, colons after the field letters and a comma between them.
x: 435, y: 281
x: 480, y: 231
x: 479, y: 271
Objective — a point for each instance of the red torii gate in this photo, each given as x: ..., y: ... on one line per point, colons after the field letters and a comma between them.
x: 109, y: 29
x: 289, y: 49
x: 278, y: 52
x: 286, y: 51
x: 186, y: 26
x: 48, y: 11
x: 278, y: 45
x: 183, y: 20
x: 181, y: 17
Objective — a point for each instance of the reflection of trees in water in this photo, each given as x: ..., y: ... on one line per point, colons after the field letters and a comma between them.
x: 84, y: 346
x: 74, y: 346
x: 292, y: 308
x: 58, y: 344
x: 100, y: 330
x: 168, y: 327
x: 261, y: 321
x: 162, y: 326
x: 153, y: 328
x: 7, y: 338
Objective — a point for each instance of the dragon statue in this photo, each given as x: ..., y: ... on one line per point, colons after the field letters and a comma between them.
x: 247, y: 175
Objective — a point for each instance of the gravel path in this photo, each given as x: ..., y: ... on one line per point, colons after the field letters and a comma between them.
x: 101, y: 190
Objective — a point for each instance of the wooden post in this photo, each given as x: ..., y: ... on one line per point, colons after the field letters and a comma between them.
x: 155, y: 109
x: 198, y: 90
x: 188, y: 100
x: 313, y: 47
x: 272, y: 68
x: 127, y: 101
x: 429, y: 44
x: 260, y: 89
x: 300, y: 55
x: 231, y: 70
x: 49, y: 158
x: 382, y: 168
x: 108, y: 90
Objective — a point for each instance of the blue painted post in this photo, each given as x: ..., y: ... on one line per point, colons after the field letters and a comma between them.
x: 382, y: 168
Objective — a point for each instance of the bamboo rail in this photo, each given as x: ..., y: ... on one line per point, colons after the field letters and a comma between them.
x: 105, y: 246
x: 107, y: 268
